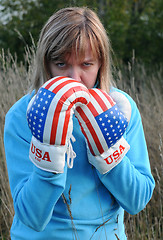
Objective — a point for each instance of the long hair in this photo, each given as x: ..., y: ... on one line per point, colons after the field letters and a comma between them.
x: 69, y: 30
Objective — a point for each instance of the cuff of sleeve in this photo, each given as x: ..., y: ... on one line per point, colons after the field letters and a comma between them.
x: 109, y: 159
x: 47, y: 157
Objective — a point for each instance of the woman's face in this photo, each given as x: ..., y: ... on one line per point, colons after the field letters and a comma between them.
x: 84, y: 71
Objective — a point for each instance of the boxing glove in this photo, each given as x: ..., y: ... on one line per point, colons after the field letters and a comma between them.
x: 49, y: 116
x: 103, y: 125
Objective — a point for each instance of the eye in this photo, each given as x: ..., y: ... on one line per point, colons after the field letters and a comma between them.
x: 87, y: 64
x: 60, y: 64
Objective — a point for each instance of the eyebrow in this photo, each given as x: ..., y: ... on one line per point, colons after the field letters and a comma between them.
x: 89, y: 59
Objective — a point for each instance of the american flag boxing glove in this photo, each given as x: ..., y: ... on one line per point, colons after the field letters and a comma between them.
x: 49, y: 116
x: 103, y: 125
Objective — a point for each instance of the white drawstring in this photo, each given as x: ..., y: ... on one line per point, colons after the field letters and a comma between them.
x: 70, y: 153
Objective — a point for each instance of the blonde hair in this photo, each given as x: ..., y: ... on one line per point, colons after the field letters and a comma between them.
x: 66, y: 31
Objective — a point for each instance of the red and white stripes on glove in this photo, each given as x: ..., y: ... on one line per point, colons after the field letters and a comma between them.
x: 49, y: 117
x: 103, y: 125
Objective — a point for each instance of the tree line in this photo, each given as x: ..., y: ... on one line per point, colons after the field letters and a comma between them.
x: 132, y: 25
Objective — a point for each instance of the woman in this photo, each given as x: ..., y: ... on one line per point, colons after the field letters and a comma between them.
x: 88, y: 200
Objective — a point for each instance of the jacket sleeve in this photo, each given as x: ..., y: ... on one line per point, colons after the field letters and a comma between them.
x: 34, y: 191
x: 131, y: 181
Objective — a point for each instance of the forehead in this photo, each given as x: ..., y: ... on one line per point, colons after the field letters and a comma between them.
x: 80, y: 54
x: 83, y: 53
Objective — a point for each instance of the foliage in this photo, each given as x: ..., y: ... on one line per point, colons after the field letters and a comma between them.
x: 131, y: 24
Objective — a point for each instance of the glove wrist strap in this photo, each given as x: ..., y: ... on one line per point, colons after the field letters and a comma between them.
x: 109, y: 159
x: 47, y: 157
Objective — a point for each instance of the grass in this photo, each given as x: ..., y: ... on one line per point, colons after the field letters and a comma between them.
x: 145, y: 85
x: 146, y: 88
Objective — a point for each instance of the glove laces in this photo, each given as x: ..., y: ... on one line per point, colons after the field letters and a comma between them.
x: 70, y: 153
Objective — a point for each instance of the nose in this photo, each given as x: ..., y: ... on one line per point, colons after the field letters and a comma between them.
x: 75, y: 73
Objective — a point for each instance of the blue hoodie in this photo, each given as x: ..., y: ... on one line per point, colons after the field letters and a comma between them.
x: 80, y: 203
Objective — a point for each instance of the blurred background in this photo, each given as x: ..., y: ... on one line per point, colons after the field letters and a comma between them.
x: 131, y: 24
x: 135, y: 28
